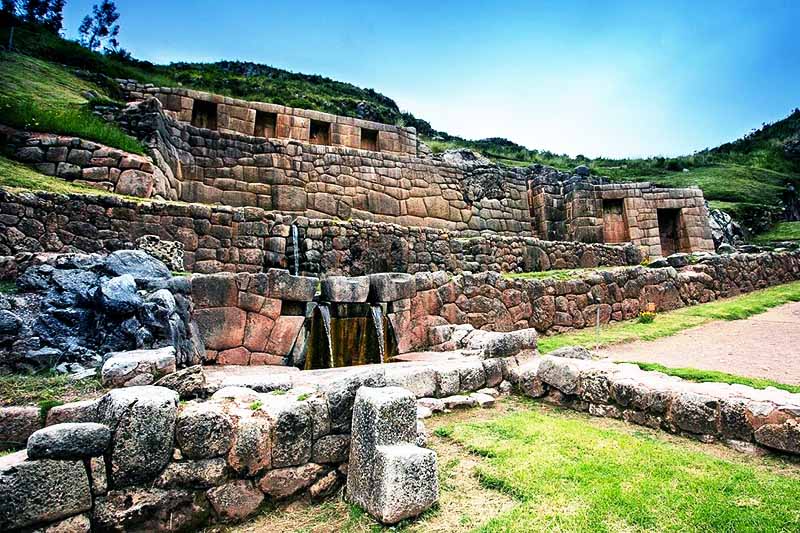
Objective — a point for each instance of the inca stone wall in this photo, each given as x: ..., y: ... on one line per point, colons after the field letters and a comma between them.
x: 580, y: 208
x: 490, y: 301
x: 314, y: 180
x: 91, y: 164
x: 220, y: 238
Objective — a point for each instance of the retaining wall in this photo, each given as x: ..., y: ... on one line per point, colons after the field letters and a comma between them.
x: 552, y: 305
x: 221, y: 238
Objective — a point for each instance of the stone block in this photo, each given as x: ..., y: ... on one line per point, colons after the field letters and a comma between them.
x: 345, y: 289
x: 35, y: 492
x: 17, y: 424
x: 69, y: 441
x: 203, y: 430
x: 284, y: 482
x: 221, y: 327
x: 137, y: 367
x: 391, y: 287
x: 285, y: 286
x: 142, y: 420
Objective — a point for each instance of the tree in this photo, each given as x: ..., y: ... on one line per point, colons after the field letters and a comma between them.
x: 47, y: 13
x: 100, y: 30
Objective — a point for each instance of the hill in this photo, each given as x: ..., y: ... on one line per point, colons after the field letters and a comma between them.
x: 751, y: 177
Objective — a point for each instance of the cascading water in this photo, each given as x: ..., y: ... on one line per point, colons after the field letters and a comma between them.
x: 295, y: 250
x: 325, y: 314
x: 377, y: 322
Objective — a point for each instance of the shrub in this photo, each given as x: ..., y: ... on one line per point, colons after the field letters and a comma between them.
x: 646, y: 317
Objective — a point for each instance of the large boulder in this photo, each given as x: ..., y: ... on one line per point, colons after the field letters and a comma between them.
x: 69, y: 441
x: 204, y: 430
x: 137, y: 367
x: 33, y: 492
x: 118, y: 296
x: 285, y: 286
x: 139, y: 264
x: 142, y: 421
x: 188, y: 383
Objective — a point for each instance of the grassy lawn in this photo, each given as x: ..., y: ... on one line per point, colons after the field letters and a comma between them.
x: 783, y: 231
x: 36, y: 95
x: 18, y: 176
x: 693, y: 374
x: 45, y: 390
x: 525, y: 466
x: 672, y: 322
x: 561, y: 275
x: 568, y: 472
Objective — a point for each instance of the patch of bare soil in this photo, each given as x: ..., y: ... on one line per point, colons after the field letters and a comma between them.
x: 762, y: 346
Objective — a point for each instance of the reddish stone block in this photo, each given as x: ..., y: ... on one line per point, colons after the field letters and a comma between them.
x: 261, y: 358
x: 257, y: 332
x: 234, y: 356
x: 272, y: 308
x: 221, y: 327
x: 217, y: 290
x: 284, y: 333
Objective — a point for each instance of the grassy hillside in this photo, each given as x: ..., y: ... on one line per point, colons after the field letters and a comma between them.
x: 41, y: 89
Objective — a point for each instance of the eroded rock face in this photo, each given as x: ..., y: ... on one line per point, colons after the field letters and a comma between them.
x: 235, y: 500
x: 137, y: 367
x: 150, y: 509
x: 142, y: 421
x: 345, y: 289
x: 72, y: 309
x: 204, y: 430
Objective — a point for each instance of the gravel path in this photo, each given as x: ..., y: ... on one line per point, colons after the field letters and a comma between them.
x: 762, y: 346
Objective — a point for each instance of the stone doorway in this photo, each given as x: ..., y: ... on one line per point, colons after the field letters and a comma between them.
x: 204, y: 114
x: 669, y: 227
x: 615, y: 227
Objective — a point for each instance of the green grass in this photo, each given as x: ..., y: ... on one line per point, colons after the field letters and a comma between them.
x: 45, y: 389
x: 18, y: 176
x: 570, y: 473
x: 8, y: 287
x: 39, y: 96
x: 702, y: 376
x: 670, y: 323
x: 783, y: 231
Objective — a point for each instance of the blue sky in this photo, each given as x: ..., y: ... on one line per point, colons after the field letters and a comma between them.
x: 625, y: 78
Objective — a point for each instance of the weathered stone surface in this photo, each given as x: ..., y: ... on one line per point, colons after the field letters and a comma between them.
x: 571, y: 352
x: 69, y: 441
x: 695, y: 413
x: 408, y: 484
x: 341, y: 394
x: 188, y: 383
x: 142, y: 266
x: 150, y: 509
x: 345, y: 289
x: 73, y: 412
x: 483, y: 400
x: 293, y: 427
x: 561, y: 373
x: 142, y: 422
x: 285, y: 286
x: 784, y: 437
x: 118, y: 295
x: 388, y: 475
x: 203, y: 474
x: 331, y: 449
x: 137, y: 367
x: 17, y: 424
x: 74, y: 524
x: 33, y: 492
x: 326, y: 486
x: 204, y: 430
x: 284, y: 482
x: 235, y: 500
x: 391, y: 287
x: 251, y: 452
x: 418, y: 379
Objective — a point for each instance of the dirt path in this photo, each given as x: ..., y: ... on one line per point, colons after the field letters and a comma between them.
x: 762, y: 346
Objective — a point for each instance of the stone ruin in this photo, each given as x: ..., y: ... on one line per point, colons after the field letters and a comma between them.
x: 345, y: 284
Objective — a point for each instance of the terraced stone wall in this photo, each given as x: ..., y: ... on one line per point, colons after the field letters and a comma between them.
x: 552, y: 305
x: 220, y: 238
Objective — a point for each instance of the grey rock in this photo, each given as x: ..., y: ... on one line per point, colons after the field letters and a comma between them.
x: 483, y: 400
x: 331, y: 449
x: 582, y: 170
x: 458, y: 400
x: 293, y: 427
x: 235, y: 501
x: 204, y: 473
x: 784, y: 437
x: 341, y: 394
x: 10, y: 323
x: 69, y: 441
x: 344, y: 289
x: 142, y: 421
x: 188, y: 383
x: 118, y: 295
x: 139, y: 264
x: 168, y: 252
x: 391, y: 287
x: 408, y: 483
x: 251, y: 452
x: 203, y: 430
x: 563, y: 374
x: 285, y: 286
x: 571, y: 352
x: 137, y: 367
x: 33, y: 492
x: 420, y: 380
x: 695, y: 413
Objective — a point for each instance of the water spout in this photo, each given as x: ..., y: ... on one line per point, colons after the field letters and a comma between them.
x: 325, y: 313
x: 295, y: 250
x: 377, y: 321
